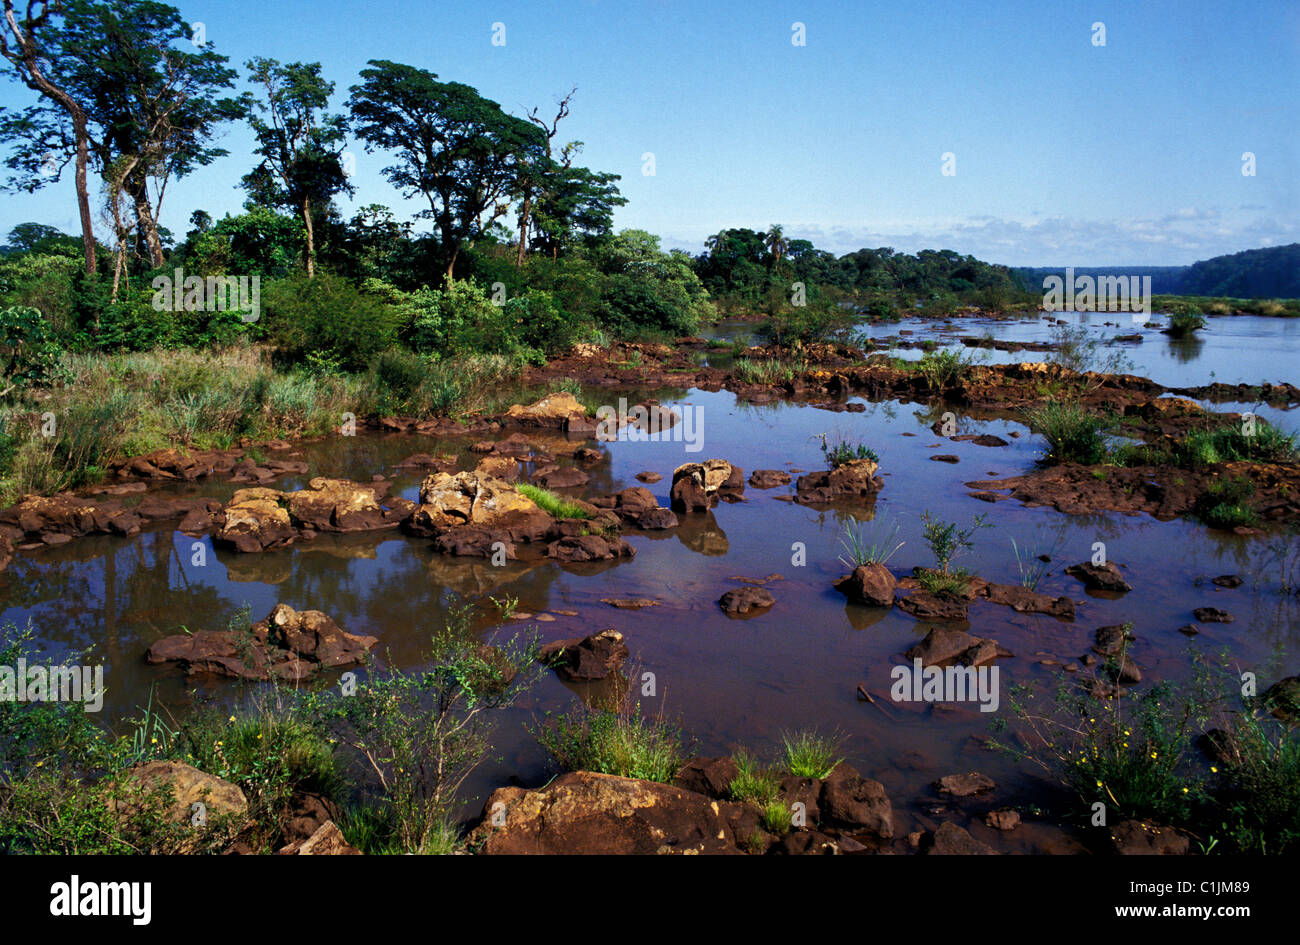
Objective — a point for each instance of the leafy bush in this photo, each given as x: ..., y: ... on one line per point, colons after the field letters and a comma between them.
x: 328, y: 317
x: 29, y: 356
x: 946, y: 541
x: 617, y: 741
x: 1073, y: 435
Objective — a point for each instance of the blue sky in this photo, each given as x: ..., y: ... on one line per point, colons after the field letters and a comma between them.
x: 1066, y: 153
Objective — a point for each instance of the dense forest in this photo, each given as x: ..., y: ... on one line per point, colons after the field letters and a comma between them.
x: 1270, y: 273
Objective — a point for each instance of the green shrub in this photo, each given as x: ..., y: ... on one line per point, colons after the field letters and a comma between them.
x: 946, y: 541
x: 1073, y: 435
x: 29, y: 356
x: 616, y: 741
x: 327, y: 317
x: 753, y: 783
x: 809, y: 755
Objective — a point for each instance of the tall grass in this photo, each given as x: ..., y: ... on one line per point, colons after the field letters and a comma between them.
x: 1073, y: 434
x: 551, y: 503
x: 861, y: 550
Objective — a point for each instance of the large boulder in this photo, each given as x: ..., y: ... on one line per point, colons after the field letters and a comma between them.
x: 850, y: 800
x: 558, y: 411
x: 336, y: 505
x: 288, y: 644
x: 583, y: 812
x: 453, y: 501
x: 254, y: 520
x: 586, y: 659
x: 853, y: 480
x: 188, y: 786
x: 696, y: 487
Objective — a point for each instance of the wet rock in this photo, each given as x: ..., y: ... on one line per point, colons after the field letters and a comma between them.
x: 1227, y: 580
x: 942, y: 645
x: 1111, y: 640
x: 951, y: 840
x: 1025, y: 601
x: 583, y: 812
x: 288, y: 645
x: 1002, y: 819
x: 336, y: 505
x: 851, y: 800
x: 650, y: 477
x: 1139, y: 838
x: 563, y: 477
x: 711, y: 777
x: 1103, y: 577
x: 811, y: 843
x: 769, y: 478
x: 585, y: 659
x: 629, y: 603
x: 1123, y: 671
x: 988, y: 439
x: 657, y: 519
x: 854, y: 480
x: 580, y: 548
x: 1212, y: 615
x: 944, y: 458
x: 1283, y: 698
x: 1189, y: 630
x: 965, y: 785
x: 254, y: 520
x: 445, y: 463
x: 746, y: 601
x: 696, y: 487
x: 869, y: 584
x: 923, y: 605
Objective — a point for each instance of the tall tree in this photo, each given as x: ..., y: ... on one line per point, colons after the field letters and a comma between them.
x: 453, y: 146
x: 30, y: 45
x: 776, y: 244
x: 301, y: 145
x: 150, y: 108
x: 575, y: 203
x: 533, y: 177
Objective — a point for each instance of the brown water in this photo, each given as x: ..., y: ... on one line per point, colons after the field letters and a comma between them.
x: 729, y: 682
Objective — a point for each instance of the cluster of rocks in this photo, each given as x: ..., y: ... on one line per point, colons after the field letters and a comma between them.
x: 852, y: 480
x: 596, y: 813
x: 875, y: 585
x: 287, y: 645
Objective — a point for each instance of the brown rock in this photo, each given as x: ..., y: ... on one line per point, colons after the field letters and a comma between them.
x: 769, y: 478
x: 583, y: 812
x: 851, y: 800
x: 1137, y: 838
x: 869, y: 584
x: 1104, y: 577
x: 746, y: 601
x: 965, y: 785
x: 951, y: 840
x: 585, y: 659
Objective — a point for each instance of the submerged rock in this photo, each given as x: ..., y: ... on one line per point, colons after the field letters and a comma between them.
x: 1100, y: 577
x: 746, y: 601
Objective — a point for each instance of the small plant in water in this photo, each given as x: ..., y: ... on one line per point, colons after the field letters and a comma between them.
x: 860, y: 551
x: 809, y: 755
